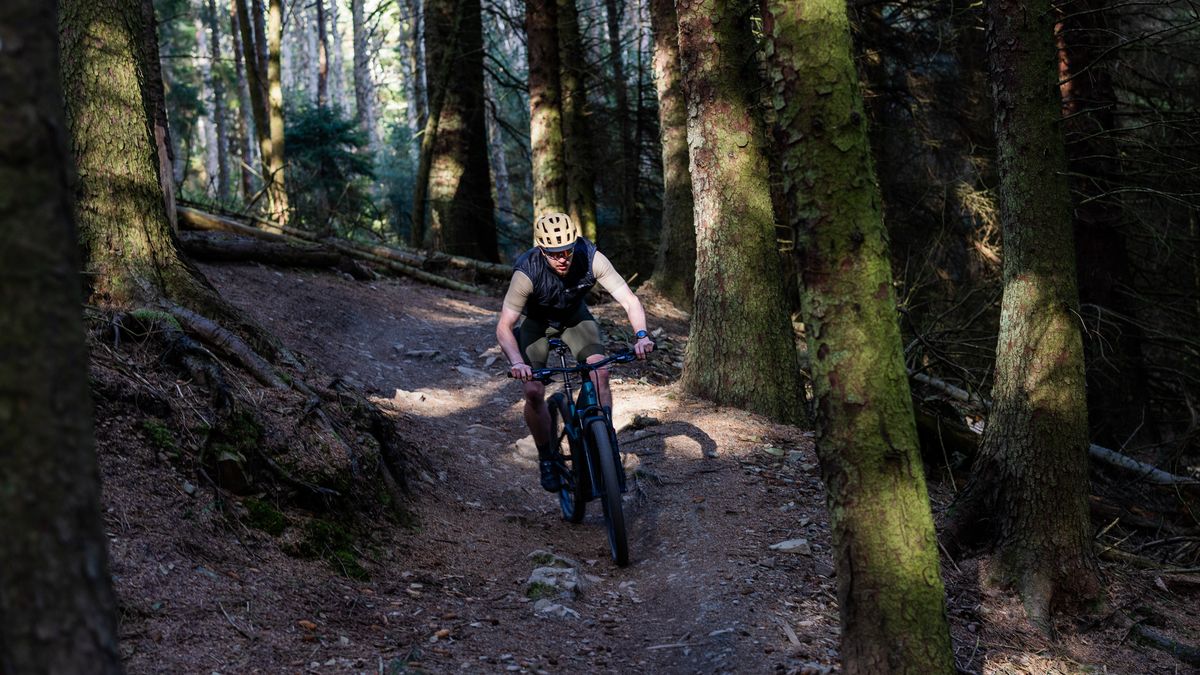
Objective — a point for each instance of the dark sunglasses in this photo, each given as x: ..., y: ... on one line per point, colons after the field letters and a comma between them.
x: 559, y: 255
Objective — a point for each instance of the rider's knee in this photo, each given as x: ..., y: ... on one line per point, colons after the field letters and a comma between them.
x: 535, y: 392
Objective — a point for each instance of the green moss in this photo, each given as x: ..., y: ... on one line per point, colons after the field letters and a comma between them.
x: 333, y: 543
x: 537, y: 590
x: 159, y: 435
x: 265, y: 517
x: 150, y: 317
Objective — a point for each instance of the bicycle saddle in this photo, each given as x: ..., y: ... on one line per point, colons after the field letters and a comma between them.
x: 555, y: 343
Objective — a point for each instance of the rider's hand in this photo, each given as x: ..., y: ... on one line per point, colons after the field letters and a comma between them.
x: 521, y: 371
x: 643, y: 347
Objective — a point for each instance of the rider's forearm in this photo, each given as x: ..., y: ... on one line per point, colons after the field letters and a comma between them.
x: 635, y: 312
x: 508, y: 345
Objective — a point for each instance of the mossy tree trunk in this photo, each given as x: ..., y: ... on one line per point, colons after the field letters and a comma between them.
x: 890, y: 591
x: 577, y: 137
x: 1030, y: 481
x: 741, y: 350
x: 130, y: 253
x: 545, y: 107
x: 675, y: 265
x: 57, y: 606
x: 462, y: 213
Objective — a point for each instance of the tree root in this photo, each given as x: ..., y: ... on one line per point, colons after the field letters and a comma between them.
x: 229, y: 343
x: 183, y: 351
x: 1186, y: 653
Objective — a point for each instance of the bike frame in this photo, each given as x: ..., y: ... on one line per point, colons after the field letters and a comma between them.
x: 586, y: 409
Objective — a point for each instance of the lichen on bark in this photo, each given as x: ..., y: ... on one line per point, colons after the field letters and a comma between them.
x: 741, y: 349
x: 890, y: 593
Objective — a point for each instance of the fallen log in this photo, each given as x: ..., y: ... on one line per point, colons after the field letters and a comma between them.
x: 195, y: 219
x: 405, y: 257
x: 236, y: 248
x: 1148, y: 472
x: 409, y: 270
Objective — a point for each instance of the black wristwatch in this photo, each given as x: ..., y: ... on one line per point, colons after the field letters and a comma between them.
x: 640, y: 334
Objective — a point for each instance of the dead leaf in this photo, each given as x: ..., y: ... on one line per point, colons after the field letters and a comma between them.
x: 306, y: 624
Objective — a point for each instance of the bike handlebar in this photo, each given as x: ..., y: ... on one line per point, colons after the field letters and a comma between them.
x: 543, y: 374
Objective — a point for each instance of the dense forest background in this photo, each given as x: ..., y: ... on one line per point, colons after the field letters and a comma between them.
x: 357, y: 90
x: 960, y: 241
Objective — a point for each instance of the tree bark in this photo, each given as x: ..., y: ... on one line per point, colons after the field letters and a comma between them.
x: 890, y: 593
x: 277, y: 201
x: 462, y: 218
x: 337, y: 81
x: 741, y: 350
x: 217, y: 83
x: 1029, y: 482
x: 57, y: 606
x: 577, y: 140
x: 675, y: 265
x: 130, y: 257
x: 256, y: 83
x: 545, y: 108
x: 322, y: 57
x: 245, y: 119
x: 364, y: 86
x: 157, y: 98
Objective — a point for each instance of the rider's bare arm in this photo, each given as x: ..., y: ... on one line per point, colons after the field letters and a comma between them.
x: 510, y: 314
x: 616, y: 287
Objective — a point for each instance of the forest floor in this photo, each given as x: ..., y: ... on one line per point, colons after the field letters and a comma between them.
x: 712, y: 489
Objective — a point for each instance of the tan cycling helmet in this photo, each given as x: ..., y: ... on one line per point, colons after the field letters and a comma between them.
x: 555, y: 232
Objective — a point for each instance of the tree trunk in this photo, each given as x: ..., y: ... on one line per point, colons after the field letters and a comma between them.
x: 217, y: 83
x: 277, y: 201
x: 741, y: 350
x: 577, y: 140
x: 545, y: 107
x: 1029, y: 482
x: 1116, y: 375
x: 245, y: 119
x: 57, y: 606
x: 460, y: 189
x: 337, y: 81
x: 157, y: 100
x: 890, y: 592
x: 675, y: 266
x: 364, y: 87
x: 130, y: 257
x: 322, y: 57
x: 504, y: 204
x: 626, y: 153
x: 255, y: 78
x: 206, y: 129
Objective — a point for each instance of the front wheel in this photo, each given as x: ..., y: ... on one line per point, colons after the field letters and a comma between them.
x: 572, y: 497
x: 614, y: 516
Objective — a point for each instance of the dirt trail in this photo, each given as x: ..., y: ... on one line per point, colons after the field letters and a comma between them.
x: 716, y: 488
x: 203, y: 587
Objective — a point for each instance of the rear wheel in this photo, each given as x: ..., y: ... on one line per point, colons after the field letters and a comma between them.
x: 614, y: 516
x: 572, y: 497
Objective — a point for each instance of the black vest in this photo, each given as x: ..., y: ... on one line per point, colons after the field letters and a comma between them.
x: 556, y: 298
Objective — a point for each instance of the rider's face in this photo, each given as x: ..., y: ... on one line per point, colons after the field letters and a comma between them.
x: 560, y: 261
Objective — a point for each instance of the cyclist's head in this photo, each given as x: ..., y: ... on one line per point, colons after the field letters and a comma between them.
x: 555, y: 232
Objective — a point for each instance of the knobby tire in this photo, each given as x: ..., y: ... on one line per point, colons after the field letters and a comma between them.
x: 572, y: 498
x: 614, y: 516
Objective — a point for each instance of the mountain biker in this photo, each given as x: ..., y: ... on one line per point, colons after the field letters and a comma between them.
x: 549, y: 285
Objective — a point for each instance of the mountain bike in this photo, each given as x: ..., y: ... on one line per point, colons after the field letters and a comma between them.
x: 588, y: 462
